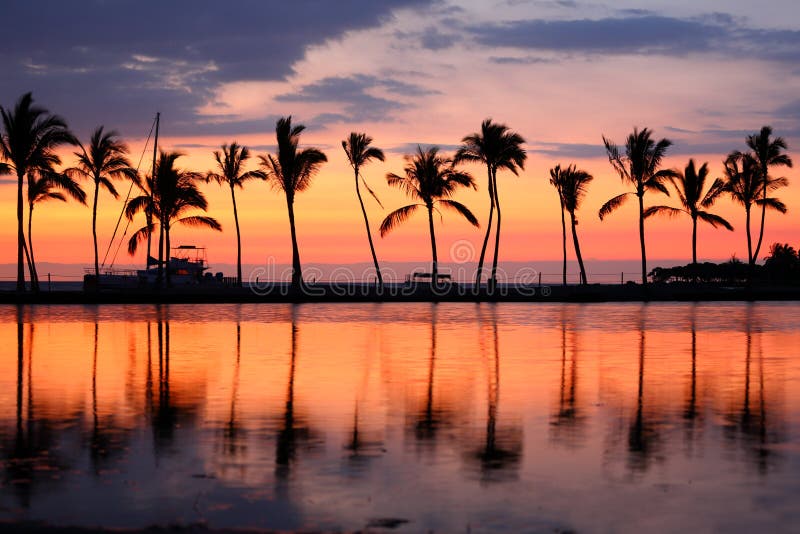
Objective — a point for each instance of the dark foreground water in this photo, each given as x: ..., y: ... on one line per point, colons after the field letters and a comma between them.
x: 414, y: 417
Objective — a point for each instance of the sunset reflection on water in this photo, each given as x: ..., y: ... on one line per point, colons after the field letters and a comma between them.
x: 421, y: 416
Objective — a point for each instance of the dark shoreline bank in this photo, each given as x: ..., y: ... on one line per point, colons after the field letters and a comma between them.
x: 332, y: 293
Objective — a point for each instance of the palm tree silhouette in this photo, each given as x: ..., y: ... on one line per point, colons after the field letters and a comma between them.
x: 230, y: 162
x: 291, y: 171
x: 105, y: 160
x: 169, y: 196
x: 640, y: 168
x: 29, y: 144
x: 431, y: 180
x: 689, y: 186
x: 497, y: 147
x: 571, y: 184
x: 768, y: 153
x: 745, y: 186
x: 359, y: 153
x: 44, y: 187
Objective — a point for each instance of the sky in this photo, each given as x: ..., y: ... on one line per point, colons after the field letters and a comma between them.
x: 562, y: 73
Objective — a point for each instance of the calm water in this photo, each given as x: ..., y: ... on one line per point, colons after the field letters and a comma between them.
x: 450, y: 417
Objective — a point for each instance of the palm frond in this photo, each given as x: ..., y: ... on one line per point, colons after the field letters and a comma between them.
x: 396, y: 218
x: 669, y: 211
x: 612, y: 205
x: 200, y: 221
x: 461, y: 209
x: 714, y: 220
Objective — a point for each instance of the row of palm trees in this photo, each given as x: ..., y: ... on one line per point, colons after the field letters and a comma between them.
x: 171, y: 195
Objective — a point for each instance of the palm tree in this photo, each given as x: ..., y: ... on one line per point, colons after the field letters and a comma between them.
x: 105, y: 160
x: 230, y: 162
x: 744, y: 184
x: 291, y: 171
x: 431, y: 180
x: 497, y: 147
x: 359, y: 152
x: 44, y: 187
x: 556, y: 180
x: 690, y: 186
x: 639, y: 167
x: 29, y: 142
x: 767, y: 153
x: 574, y: 183
x: 168, y: 197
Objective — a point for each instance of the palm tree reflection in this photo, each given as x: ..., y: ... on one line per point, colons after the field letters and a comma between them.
x: 293, y: 429
x: 750, y: 425
x: 644, y: 431
x: 31, y: 457
x: 692, y: 414
x: 499, y: 458
x: 567, y: 424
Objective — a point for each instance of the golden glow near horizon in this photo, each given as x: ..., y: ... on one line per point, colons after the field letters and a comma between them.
x: 552, y: 99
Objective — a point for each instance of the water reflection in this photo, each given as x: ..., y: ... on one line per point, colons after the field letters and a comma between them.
x: 458, y: 416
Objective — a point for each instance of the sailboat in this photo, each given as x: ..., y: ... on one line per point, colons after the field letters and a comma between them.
x: 186, y: 264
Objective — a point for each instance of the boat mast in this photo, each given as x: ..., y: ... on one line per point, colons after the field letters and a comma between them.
x: 150, y: 215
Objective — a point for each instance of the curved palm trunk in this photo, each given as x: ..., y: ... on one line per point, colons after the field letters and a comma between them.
x: 149, y: 221
x: 20, y: 237
x: 694, y: 239
x: 763, y: 217
x: 749, y: 239
x: 488, y: 230
x: 160, y: 276
x: 31, y: 258
x: 369, y: 233
x: 435, y: 266
x: 564, y: 242
x: 584, y: 280
x: 641, y: 239
x: 497, y: 231
x: 94, y: 232
x: 167, y: 249
x: 238, y: 241
x: 297, y: 275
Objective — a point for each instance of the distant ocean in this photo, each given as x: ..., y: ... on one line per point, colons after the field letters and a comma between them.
x: 598, y: 271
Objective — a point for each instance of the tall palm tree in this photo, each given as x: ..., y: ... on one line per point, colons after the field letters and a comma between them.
x: 44, y: 187
x: 497, y: 147
x: 104, y: 161
x: 768, y: 153
x: 744, y: 184
x: 29, y: 142
x: 431, y: 180
x: 359, y: 152
x: 230, y: 162
x: 556, y: 180
x: 574, y: 183
x: 640, y: 168
x: 690, y: 187
x: 291, y: 171
x: 168, y: 197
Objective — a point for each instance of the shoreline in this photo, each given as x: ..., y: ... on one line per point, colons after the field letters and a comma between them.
x: 353, y: 293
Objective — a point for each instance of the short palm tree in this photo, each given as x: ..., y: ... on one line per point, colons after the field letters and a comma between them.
x: 640, y: 168
x: 292, y: 171
x: 28, y: 144
x: 769, y: 153
x: 431, y: 181
x: 497, y: 147
x: 44, y: 187
x: 230, y: 163
x: 359, y: 152
x: 105, y: 160
x: 744, y: 184
x: 168, y: 197
x: 574, y: 183
x: 695, y: 200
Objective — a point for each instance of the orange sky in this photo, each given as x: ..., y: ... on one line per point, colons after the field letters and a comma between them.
x: 562, y: 100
